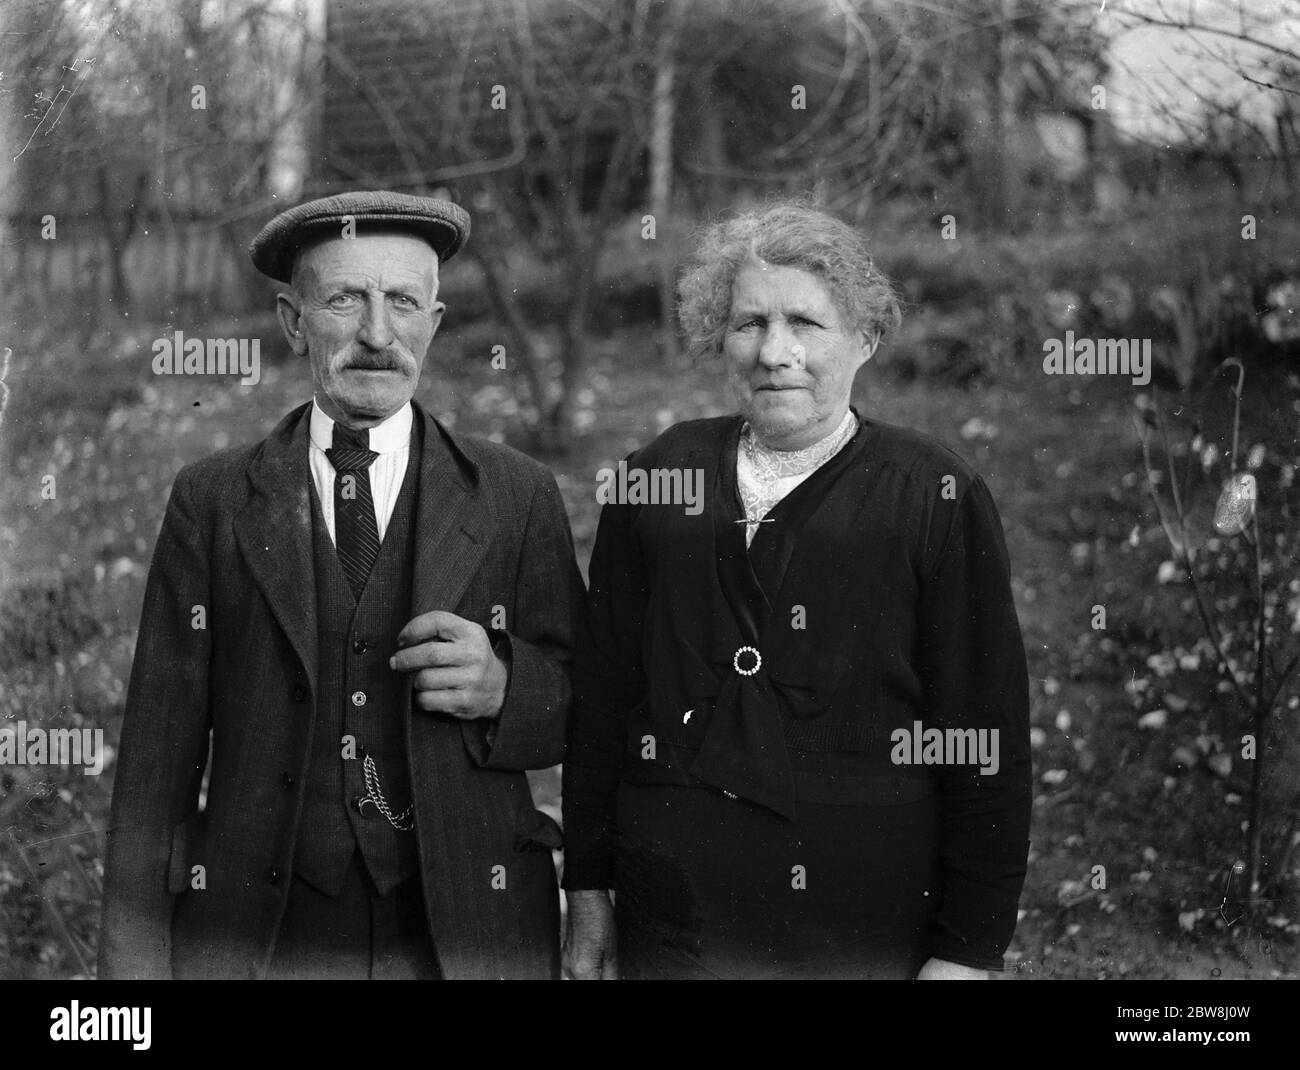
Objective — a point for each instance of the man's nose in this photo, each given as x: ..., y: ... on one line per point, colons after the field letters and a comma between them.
x: 376, y: 330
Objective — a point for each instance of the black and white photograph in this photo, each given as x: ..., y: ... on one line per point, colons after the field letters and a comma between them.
x: 651, y: 490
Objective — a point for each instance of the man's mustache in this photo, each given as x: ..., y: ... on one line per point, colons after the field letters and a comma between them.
x: 387, y: 360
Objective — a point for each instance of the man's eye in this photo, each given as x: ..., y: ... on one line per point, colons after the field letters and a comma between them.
x: 404, y: 301
x: 342, y: 300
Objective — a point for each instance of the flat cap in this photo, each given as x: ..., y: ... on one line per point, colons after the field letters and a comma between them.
x: 443, y: 224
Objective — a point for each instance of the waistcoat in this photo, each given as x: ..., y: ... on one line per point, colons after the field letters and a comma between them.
x: 359, y: 707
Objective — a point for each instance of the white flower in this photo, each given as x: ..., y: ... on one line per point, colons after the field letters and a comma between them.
x: 1161, y: 664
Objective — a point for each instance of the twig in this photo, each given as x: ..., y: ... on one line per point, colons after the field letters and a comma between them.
x: 1261, y: 720
x: 1281, y: 683
x: 1180, y: 550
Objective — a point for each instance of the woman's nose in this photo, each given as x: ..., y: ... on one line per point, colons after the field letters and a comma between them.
x: 776, y: 346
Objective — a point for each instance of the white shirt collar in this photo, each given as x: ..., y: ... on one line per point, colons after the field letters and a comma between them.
x: 388, y: 437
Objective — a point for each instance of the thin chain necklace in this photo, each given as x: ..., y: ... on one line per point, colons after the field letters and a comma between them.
x: 761, y: 486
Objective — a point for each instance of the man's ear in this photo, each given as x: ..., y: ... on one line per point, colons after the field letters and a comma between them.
x: 435, y: 317
x: 288, y: 309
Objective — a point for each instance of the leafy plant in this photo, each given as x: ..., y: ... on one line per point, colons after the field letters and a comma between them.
x: 1254, y: 677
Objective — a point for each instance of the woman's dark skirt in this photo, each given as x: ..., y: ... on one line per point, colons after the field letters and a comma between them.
x: 712, y: 887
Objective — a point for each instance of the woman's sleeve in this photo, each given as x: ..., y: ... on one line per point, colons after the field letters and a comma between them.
x: 974, y: 674
x: 609, y: 681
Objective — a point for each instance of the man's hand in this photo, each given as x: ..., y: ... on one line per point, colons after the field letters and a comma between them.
x: 590, y: 944
x: 943, y: 970
x: 456, y: 671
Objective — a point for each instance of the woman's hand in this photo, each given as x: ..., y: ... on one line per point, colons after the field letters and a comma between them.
x: 590, y: 941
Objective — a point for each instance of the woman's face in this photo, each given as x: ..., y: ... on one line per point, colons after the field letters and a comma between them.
x: 791, y: 354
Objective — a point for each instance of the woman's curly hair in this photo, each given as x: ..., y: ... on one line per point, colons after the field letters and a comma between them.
x: 789, y: 233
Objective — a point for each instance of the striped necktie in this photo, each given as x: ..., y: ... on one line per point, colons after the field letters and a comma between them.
x: 356, y: 533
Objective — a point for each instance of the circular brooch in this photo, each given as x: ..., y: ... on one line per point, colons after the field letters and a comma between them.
x: 758, y: 661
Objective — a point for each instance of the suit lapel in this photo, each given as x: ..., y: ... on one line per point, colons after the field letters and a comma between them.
x: 274, y: 533
x: 453, y: 522
x: 452, y: 531
x: 453, y: 526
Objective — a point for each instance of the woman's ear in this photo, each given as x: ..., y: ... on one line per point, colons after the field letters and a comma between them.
x: 870, y: 340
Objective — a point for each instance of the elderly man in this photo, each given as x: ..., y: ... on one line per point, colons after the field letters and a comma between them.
x: 362, y: 625
x: 800, y: 735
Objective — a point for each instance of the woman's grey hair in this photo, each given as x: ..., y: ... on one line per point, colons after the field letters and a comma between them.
x: 789, y: 233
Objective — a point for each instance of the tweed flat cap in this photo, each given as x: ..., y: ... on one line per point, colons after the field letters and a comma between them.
x: 443, y: 224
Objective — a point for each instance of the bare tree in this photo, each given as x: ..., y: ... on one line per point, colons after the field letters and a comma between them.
x: 154, y: 116
x: 557, y: 121
x: 1261, y: 46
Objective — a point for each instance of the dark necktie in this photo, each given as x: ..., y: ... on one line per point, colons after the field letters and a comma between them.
x: 356, y: 533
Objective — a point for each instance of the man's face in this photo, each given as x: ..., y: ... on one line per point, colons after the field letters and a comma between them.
x: 364, y: 310
x: 791, y: 354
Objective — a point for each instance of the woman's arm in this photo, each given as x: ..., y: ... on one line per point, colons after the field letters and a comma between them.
x: 609, y: 681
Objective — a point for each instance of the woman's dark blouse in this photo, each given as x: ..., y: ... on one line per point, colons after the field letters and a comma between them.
x: 878, y: 595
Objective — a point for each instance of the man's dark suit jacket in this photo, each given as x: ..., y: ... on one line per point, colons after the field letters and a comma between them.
x: 237, y: 541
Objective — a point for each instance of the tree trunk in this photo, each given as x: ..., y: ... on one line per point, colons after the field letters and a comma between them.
x: 1283, y: 123
x: 556, y: 436
x: 996, y: 172
x: 118, y: 237
x: 663, y: 113
x: 713, y: 149
x: 519, y: 333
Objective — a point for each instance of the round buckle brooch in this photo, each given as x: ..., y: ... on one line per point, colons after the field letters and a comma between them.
x: 758, y: 661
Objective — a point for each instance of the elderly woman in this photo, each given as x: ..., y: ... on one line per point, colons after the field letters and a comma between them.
x: 800, y: 739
